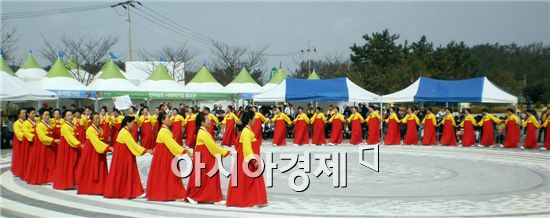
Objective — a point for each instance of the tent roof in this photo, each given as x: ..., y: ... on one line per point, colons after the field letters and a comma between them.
x: 203, y: 76
x: 111, y: 71
x: 279, y: 76
x: 72, y: 65
x: 244, y: 77
x: 313, y: 76
x: 160, y: 73
x: 478, y: 89
x: 5, y: 67
x: 58, y: 70
x: 341, y: 89
x: 161, y: 86
x: 15, y: 89
x: 30, y: 63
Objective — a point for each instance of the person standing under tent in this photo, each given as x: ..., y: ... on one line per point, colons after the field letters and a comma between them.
x: 230, y: 121
x: 178, y: 122
x: 213, y: 122
x: 147, y: 122
x: 373, y: 121
x: 468, y: 123
x: 17, y: 164
x: 412, y: 121
x: 41, y: 163
x: 301, y: 129
x: 513, y: 132
x: 190, y: 128
x: 318, y: 121
x: 29, y: 132
x: 67, y: 156
x: 259, y: 120
x: 115, y: 120
x: 281, y: 120
x: 393, y: 136
x: 202, y: 188
x: 329, y: 114
x: 92, y: 163
x: 487, y: 122
x: 104, y: 124
x: 448, y: 137
x: 123, y: 180
x: 546, y: 124
x: 531, y: 125
x: 337, y: 133
x: 430, y: 128
x: 248, y: 191
x: 162, y: 183
x: 355, y: 119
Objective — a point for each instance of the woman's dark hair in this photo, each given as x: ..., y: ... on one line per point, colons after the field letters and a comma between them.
x: 104, y: 108
x: 450, y: 109
x: 175, y: 109
x: 54, y: 110
x: 319, y: 108
x: 255, y: 107
x: 300, y: 108
x: 201, y: 117
x: 511, y: 110
x: 29, y: 110
x: 485, y: 110
x: 93, y: 114
x: 22, y: 109
x: 247, y: 116
x: 160, y: 118
x: 468, y: 110
x: 65, y: 113
x: 279, y: 108
x: 207, y: 109
x: 126, y: 120
x: 231, y: 108
x: 429, y: 109
x: 372, y: 107
x: 44, y: 111
x: 337, y: 108
x: 356, y: 108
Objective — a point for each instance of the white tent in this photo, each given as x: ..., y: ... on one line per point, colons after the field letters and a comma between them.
x: 204, y: 82
x: 244, y: 83
x: 15, y: 89
x: 31, y: 70
x: 478, y: 90
x: 160, y: 81
x: 112, y: 80
x: 59, y: 78
x: 279, y: 76
x: 300, y: 90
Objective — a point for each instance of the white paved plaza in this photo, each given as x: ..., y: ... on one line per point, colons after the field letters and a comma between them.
x: 413, y: 181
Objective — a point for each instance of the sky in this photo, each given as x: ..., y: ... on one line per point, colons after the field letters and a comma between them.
x: 285, y: 27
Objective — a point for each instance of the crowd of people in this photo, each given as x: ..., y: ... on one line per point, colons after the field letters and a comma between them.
x: 68, y: 147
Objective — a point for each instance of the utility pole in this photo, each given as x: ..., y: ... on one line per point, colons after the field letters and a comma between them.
x: 126, y: 5
x: 309, y: 50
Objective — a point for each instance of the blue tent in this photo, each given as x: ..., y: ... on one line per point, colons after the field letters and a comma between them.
x: 338, y: 89
x: 475, y: 90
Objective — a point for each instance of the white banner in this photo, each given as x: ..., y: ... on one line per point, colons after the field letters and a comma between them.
x: 122, y: 102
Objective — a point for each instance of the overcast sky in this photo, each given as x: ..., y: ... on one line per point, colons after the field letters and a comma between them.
x: 285, y: 27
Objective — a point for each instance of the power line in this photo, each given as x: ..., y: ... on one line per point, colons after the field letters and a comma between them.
x: 49, y: 12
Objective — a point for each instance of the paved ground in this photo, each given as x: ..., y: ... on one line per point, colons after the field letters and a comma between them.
x: 413, y: 181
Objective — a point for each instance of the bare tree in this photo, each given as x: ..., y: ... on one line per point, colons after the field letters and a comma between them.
x: 230, y: 59
x: 330, y: 65
x: 175, y: 58
x: 8, y: 40
x: 87, y: 52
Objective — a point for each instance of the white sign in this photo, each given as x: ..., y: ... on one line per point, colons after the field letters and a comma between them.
x: 122, y: 102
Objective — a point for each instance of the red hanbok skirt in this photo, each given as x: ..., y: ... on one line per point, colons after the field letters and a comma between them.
x: 65, y: 166
x: 209, y: 189
x: 512, y: 135
x: 429, y: 133
x: 147, y: 135
x: 162, y: 184
x: 531, y: 137
x: 190, y: 134
x: 41, y: 163
x: 318, y: 133
x: 374, y: 132
x: 356, y: 133
x: 393, y: 136
x: 279, y: 135
x: 469, y: 137
x: 411, y: 136
x: 488, y: 137
x: 448, y: 137
x: 337, y: 134
x: 176, y: 132
x: 257, y: 129
x: 106, y: 131
x: 114, y: 134
x: 16, y: 157
x: 123, y: 180
x: 249, y: 191
x: 92, y: 170
x: 230, y: 134
x: 301, y: 133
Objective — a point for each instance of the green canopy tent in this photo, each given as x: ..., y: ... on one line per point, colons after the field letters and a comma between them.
x: 279, y: 76
x: 31, y: 70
